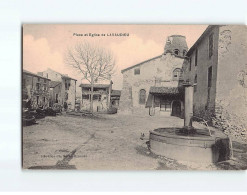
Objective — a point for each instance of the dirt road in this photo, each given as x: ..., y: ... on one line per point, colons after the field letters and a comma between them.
x: 105, y: 142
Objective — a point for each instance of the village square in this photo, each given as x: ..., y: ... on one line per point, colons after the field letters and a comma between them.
x: 69, y: 123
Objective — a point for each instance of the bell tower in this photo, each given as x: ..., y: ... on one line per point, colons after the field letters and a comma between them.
x: 176, y: 44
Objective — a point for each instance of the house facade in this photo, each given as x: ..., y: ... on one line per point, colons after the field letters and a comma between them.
x: 36, y: 89
x: 101, y: 97
x: 217, y: 65
x: 67, y: 88
x: 55, y: 93
x: 152, y: 87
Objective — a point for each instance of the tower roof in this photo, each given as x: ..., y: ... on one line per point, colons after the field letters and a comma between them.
x: 176, y: 44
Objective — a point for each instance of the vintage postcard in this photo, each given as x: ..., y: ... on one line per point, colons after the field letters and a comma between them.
x: 134, y: 97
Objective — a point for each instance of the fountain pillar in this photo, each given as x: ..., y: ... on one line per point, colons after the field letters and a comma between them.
x: 188, y: 109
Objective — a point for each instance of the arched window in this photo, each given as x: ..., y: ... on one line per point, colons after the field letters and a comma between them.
x: 176, y: 51
x: 176, y: 74
x: 142, y: 96
x: 184, y: 53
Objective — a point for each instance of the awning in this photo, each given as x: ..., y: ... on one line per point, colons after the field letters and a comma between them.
x: 164, y: 90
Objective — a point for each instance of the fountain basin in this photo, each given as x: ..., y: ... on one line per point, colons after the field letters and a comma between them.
x: 199, y: 147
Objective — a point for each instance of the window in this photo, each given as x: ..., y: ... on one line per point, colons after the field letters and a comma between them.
x: 137, y: 71
x: 184, y: 53
x: 142, y: 96
x: 195, y: 84
x: 85, y: 97
x: 176, y: 51
x: 45, y: 87
x: 196, y: 55
x: 97, y: 97
x: 176, y: 74
x: 56, y: 98
x: 165, y: 105
x: 190, y: 63
x: 210, y: 77
x: 37, y: 86
x: 210, y: 45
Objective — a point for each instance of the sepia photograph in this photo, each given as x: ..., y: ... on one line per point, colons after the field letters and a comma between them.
x: 134, y: 97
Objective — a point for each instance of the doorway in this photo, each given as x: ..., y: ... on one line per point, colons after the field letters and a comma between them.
x: 176, y: 108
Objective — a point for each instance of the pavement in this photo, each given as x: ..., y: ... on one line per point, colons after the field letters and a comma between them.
x: 107, y: 142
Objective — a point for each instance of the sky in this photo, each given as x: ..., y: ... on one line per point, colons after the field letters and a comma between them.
x: 44, y: 45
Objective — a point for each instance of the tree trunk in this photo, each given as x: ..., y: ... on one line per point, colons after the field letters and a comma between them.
x: 91, y: 98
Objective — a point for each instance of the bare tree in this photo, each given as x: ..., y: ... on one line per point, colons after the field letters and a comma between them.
x: 93, y: 63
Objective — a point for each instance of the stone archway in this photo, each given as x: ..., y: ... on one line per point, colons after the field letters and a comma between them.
x: 176, y: 108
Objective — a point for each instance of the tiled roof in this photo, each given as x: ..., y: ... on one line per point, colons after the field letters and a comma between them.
x: 30, y: 73
x: 54, y: 84
x: 63, y: 75
x: 164, y: 90
x: 95, y: 85
x: 116, y: 93
x: 67, y: 77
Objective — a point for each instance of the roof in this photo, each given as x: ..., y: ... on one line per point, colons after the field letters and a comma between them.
x: 95, y: 85
x: 164, y: 90
x: 204, y: 34
x: 176, y: 42
x: 63, y: 75
x: 67, y: 77
x: 30, y: 73
x: 54, y: 84
x: 140, y: 63
x: 116, y: 93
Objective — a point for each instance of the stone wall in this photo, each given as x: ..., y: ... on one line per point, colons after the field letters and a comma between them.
x: 55, y: 76
x: 204, y: 98
x: 160, y: 67
x: 231, y: 96
x: 39, y: 97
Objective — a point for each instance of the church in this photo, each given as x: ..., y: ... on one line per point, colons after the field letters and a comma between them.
x: 153, y: 87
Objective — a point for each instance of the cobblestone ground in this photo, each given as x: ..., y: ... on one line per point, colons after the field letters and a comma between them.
x: 106, y: 142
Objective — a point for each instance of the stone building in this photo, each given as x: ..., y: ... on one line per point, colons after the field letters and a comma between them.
x: 67, y: 87
x: 217, y: 65
x: 55, y: 93
x: 101, y: 97
x: 152, y: 87
x: 36, y: 89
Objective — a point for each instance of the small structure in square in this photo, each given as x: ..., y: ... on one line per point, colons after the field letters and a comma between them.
x: 63, y: 93
x: 101, y: 97
x: 115, y: 98
x: 35, y: 88
x: 153, y: 86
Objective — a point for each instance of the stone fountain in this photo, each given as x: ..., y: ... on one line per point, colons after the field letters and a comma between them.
x: 188, y: 143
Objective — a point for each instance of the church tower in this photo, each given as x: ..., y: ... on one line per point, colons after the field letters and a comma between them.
x: 176, y: 44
